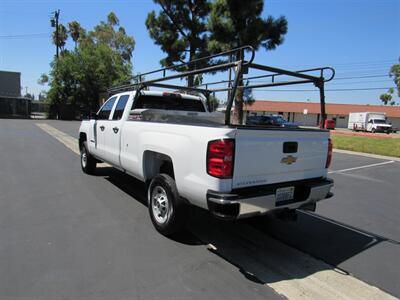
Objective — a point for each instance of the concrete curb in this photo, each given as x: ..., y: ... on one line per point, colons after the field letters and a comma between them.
x: 366, y: 154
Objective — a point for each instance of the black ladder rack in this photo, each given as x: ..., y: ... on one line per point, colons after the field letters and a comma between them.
x: 240, y: 66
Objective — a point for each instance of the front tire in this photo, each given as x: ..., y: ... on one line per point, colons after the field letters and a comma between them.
x: 88, y: 162
x: 167, y: 210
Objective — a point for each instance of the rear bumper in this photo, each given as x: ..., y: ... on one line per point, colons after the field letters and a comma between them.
x: 260, y: 200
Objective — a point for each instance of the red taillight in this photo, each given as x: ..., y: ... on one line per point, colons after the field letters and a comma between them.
x: 329, y: 156
x: 220, y: 155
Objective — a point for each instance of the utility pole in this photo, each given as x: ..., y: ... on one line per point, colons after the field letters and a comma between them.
x: 54, y: 23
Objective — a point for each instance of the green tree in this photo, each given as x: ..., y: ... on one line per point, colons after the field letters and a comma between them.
x: 235, y: 23
x: 30, y: 96
x: 248, y: 97
x: 387, y: 98
x: 214, y: 102
x: 43, y: 79
x: 42, y: 96
x: 395, y: 74
x: 101, y: 59
x: 75, y: 30
x: 180, y: 30
x: 62, y: 37
x: 113, y: 35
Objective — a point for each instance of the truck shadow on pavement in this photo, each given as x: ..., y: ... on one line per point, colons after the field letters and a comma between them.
x: 264, y: 249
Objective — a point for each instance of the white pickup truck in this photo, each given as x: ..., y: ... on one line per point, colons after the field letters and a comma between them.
x: 189, y: 156
x: 232, y: 171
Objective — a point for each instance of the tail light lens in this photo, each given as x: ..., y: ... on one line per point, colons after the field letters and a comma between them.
x: 220, y: 157
x: 329, y: 156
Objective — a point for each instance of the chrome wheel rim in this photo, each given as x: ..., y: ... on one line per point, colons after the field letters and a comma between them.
x: 160, y: 204
x: 84, y: 157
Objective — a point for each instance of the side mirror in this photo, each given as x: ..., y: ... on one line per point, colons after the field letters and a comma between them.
x: 93, y: 116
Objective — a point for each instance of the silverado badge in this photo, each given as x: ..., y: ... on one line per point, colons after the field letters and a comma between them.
x: 288, y: 160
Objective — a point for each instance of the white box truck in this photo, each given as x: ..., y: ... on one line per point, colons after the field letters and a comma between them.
x: 369, y: 121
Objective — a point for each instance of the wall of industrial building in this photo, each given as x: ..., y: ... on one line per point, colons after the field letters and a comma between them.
x: 10, y: 84
x: 15, y: 107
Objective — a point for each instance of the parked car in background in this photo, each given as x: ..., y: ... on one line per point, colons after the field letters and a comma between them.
x: 330, y: 124
x: 369, y: 121
x: 270, y: 120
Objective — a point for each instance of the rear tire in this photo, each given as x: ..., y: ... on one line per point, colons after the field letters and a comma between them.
x: 167, y: 210
x: 88, y: 162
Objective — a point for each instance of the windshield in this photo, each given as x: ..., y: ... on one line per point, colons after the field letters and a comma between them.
x: 377, y: 121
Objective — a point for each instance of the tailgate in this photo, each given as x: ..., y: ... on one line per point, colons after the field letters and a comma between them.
x: 260, y: 157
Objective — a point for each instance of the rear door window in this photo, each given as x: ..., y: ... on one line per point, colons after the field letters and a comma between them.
x: 119, y: 109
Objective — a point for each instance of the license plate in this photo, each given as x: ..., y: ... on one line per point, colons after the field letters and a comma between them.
x: 284, y: 194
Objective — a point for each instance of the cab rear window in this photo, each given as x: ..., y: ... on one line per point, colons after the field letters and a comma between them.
x: 169, y: 103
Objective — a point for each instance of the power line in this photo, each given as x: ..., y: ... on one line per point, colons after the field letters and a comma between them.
x: 347, y: 78
x: 358, y: 77
x: 387, y: 61
x: 360, y: 82
x: 362, y: 72
x: 27, y: 35
x: 349, y: 64
x: 369, y: 65
x: 329, y: 90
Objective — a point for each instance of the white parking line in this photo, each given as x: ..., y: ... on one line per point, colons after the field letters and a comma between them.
x: 362, y: 167
x: 66, y: 139
x: 289, y: 272
x: 383, y: 157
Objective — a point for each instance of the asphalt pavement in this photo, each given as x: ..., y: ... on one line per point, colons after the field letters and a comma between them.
x: 68, y: 235
x: 64, y: 234
x: 358, y: 230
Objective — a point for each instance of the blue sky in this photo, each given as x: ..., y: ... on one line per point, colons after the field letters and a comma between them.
x: 357, y: 37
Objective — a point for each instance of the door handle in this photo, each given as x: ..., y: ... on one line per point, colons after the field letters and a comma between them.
x: 115, y: 129
x: 102, y: 128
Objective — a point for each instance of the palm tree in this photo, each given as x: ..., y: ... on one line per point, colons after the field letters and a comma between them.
x: 75, y: 30
x: 62, y: 37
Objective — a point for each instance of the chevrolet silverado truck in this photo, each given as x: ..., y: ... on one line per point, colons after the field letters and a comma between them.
x: 187, y: 155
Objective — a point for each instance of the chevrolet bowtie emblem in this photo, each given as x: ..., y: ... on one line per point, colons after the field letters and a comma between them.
x: 288, y: 160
